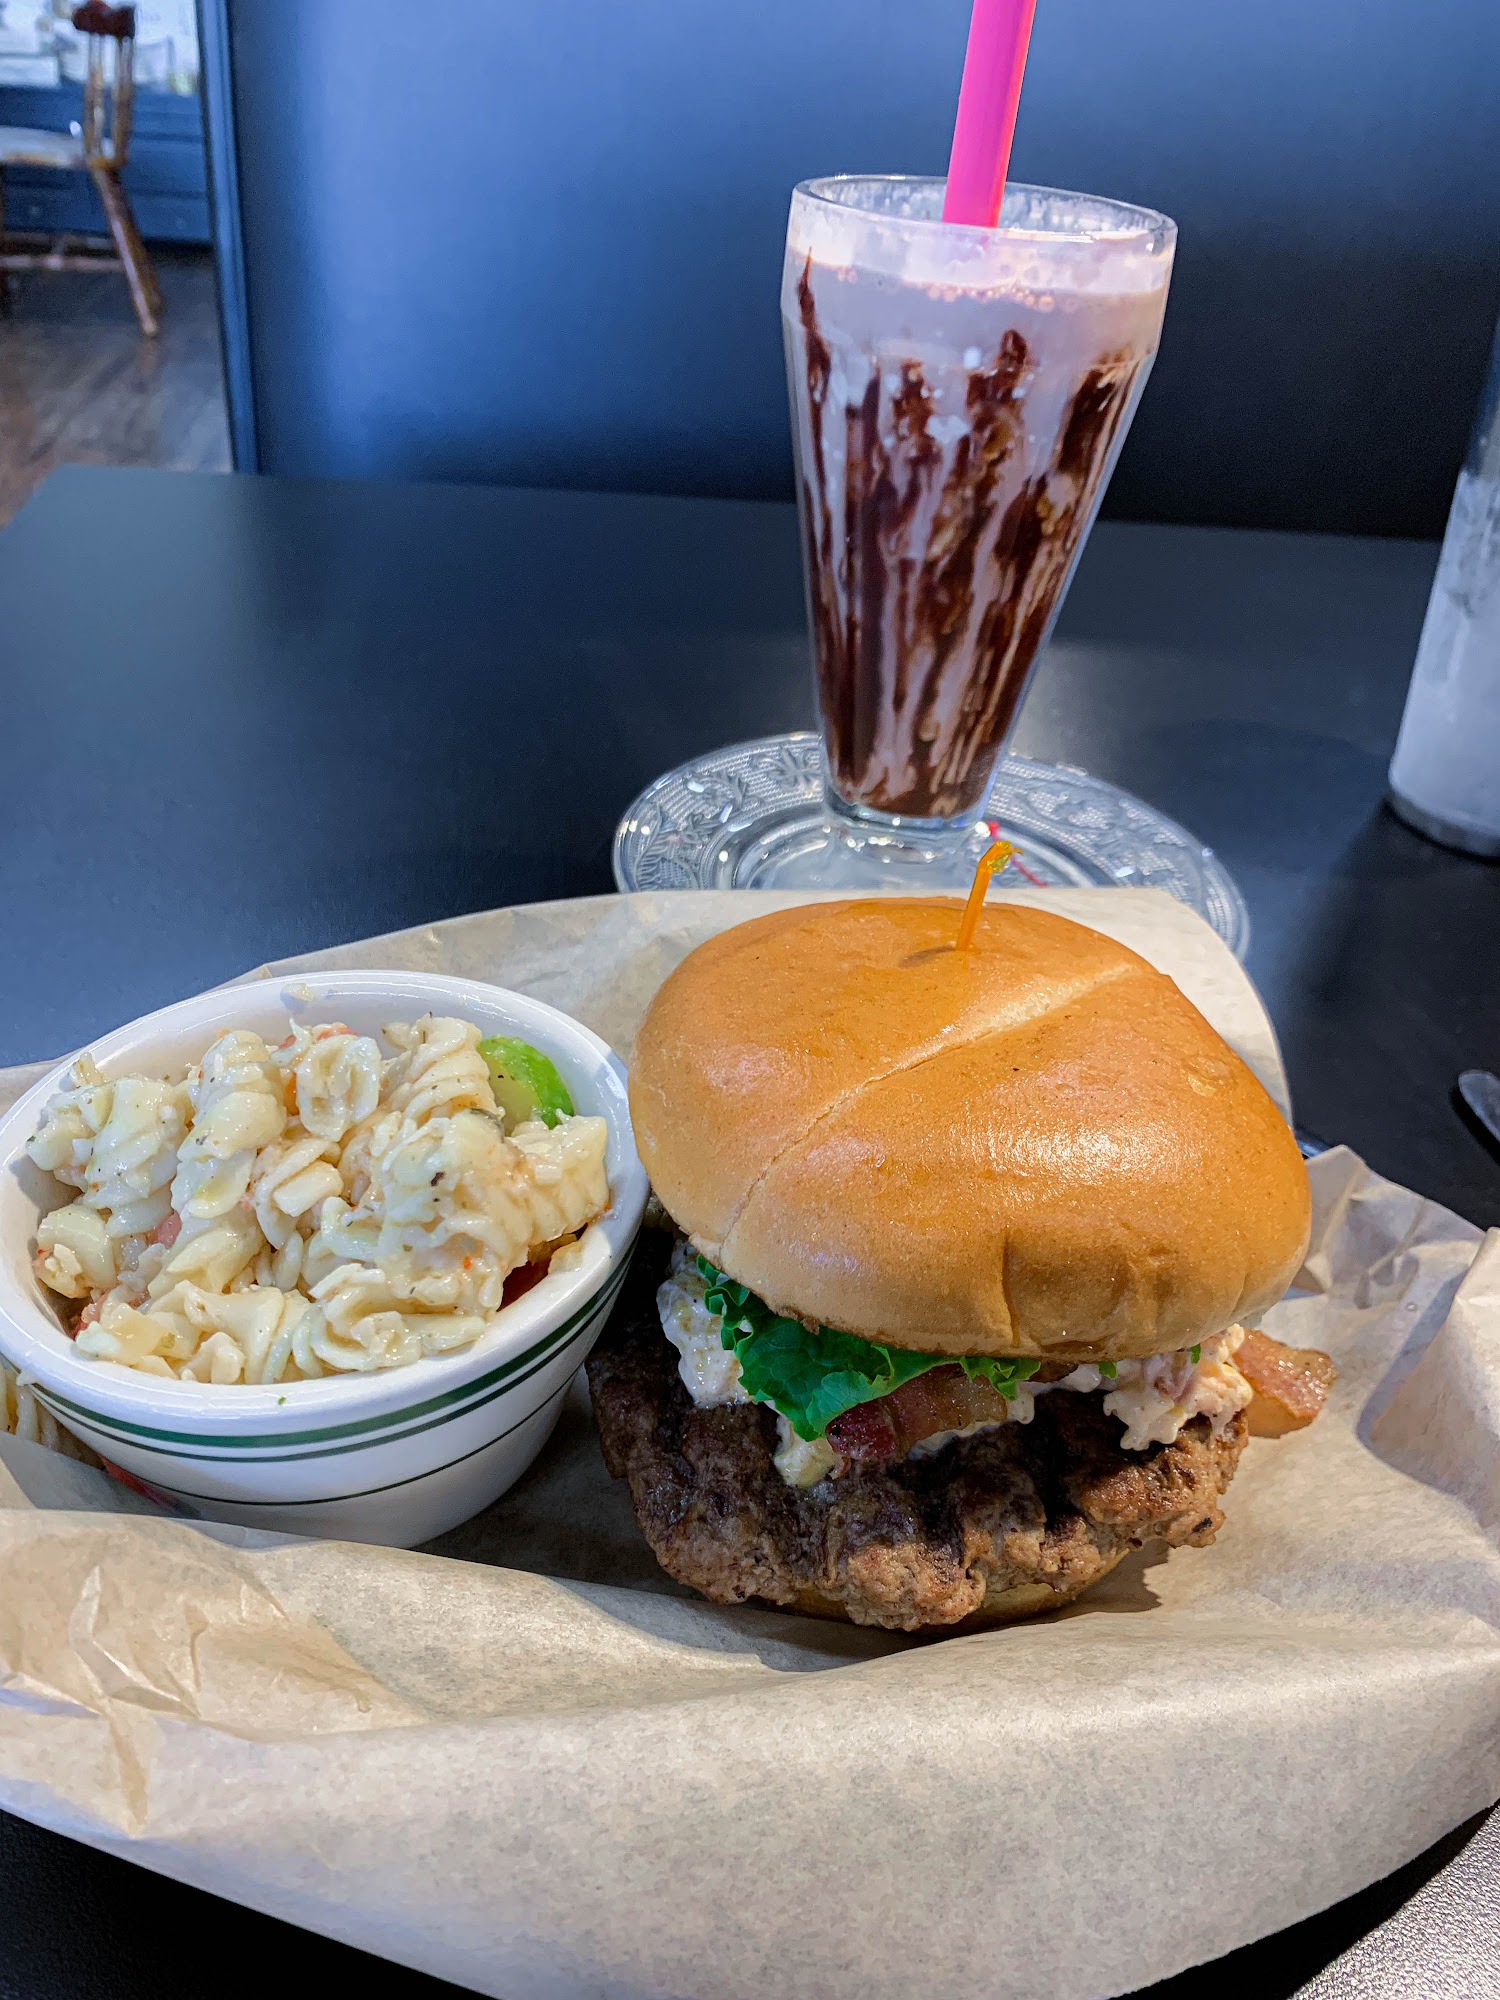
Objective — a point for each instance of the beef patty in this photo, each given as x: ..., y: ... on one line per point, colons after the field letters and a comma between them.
x: 1001, y: 1525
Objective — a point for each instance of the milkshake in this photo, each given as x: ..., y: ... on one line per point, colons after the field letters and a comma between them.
x: 959, y: 396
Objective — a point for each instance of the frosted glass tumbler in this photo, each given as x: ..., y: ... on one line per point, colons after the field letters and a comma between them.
x: 1445, y: 775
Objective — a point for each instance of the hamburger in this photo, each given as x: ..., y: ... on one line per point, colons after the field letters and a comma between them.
x: 955, y: 1300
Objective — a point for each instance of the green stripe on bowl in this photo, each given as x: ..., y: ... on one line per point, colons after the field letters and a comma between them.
x: 365, y: 1492
x: 363, y: 1445
x: 498, y: 1379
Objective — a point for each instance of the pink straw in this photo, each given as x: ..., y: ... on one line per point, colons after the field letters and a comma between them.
x: 999, y: 31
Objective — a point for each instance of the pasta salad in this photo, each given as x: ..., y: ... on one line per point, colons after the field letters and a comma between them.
x: 313, y: 1208
x: 22, y: 1416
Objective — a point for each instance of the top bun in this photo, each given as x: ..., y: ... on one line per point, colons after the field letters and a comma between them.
x: 1037, y: 1146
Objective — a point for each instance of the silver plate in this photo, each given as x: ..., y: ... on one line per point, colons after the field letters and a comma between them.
x: 720, y: 821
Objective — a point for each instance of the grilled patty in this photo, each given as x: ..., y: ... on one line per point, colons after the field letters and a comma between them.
x: 1007, y: 1523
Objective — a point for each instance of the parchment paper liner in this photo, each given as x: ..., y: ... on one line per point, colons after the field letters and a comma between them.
x: 566, y: 1776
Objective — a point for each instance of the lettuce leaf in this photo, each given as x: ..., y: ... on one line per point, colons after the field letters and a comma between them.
x: 811, y: 1376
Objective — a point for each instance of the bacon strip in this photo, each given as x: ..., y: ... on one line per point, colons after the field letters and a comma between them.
x: 1291, y: 1384
x: 944, y: 1399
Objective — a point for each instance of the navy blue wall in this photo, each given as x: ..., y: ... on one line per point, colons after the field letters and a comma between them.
x: 543, y: 245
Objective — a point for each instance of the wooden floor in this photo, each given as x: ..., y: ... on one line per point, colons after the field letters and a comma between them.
x: 79, y: 385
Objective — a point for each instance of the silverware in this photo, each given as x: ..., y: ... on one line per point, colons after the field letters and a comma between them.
x: 1480, y: 1091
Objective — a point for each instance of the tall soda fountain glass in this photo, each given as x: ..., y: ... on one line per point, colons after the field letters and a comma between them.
x: 959, y: 397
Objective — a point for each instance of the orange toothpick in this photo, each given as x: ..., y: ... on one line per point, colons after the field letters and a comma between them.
x: 989, y: 862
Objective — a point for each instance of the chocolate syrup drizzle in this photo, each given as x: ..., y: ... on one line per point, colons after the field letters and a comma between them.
x: 853, y: 576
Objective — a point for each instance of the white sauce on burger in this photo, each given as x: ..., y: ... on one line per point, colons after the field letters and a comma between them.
x: 1152, y: 1398
x: 710, y: 1371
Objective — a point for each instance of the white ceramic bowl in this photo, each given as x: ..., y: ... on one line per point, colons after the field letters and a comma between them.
x: 394, y: 1457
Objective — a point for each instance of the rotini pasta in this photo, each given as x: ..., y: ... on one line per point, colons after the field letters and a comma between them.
x: 22, y: 1416
x: 118, y: 1144
x: 310, y: 1209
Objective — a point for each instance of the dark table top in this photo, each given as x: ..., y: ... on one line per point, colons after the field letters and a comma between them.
x: 245, y: 718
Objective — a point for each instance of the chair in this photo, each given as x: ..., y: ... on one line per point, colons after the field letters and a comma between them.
x: 100, y: 154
